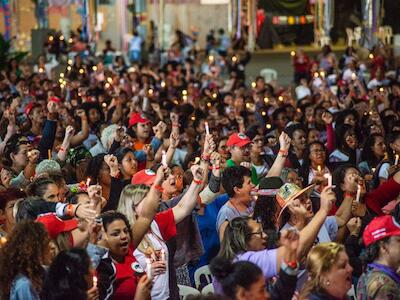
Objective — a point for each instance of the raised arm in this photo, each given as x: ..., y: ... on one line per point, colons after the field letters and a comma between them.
x: 150, y: 207
x: 62, y: 153
x: 279, y: 163
x: 84, y: 133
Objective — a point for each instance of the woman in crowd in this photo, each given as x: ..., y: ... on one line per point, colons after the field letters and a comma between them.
x: 45, y: 188
x: 70, y: 275
x: 372, y: 154
x: 21, y: 261
x: 8, y: 198
x: 346, y: 146
x: 330, y: 273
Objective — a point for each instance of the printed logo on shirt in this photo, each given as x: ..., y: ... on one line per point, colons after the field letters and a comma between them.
x: 137, y: 268
x: 242, y: 136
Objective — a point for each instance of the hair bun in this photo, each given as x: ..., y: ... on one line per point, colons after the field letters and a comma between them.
x: 221, y: 268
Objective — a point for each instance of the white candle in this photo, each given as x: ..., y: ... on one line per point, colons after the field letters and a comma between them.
x: 94, y: 281
x: 319, y: 168
x: 207, y: 128
x: 329, y: 177
x: 358, y: 193
x: 88, y: 181
x: 164, y: 159
x: 148, y: 268
x: 162, y: 254
x: 396, y: 161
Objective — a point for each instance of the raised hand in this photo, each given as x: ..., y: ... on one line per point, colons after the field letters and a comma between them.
x: 112, y: 163
x: 209, y: 145
x: 354, y: 226
x: 197, y: 172
x: 33, y: 156
x: 174, y: 140
x: 328, y: 197
x: 284, y: 141
x: 327, y: 117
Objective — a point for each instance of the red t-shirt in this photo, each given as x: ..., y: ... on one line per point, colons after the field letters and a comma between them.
x: 126, y: 279
x: 128, y: 272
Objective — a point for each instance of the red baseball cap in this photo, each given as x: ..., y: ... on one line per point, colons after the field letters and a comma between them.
x: 145, y: 177
x: 54, y: 99
x: 238, y: 139
x: 55, y: 225
x: 138, y: 118
x: 379, y: 228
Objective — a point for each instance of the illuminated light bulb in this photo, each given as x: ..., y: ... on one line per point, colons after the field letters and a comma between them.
x: 214, y: 95
x: 150, y: 91
x: 62, y: 86
x: 209, y: 104
x: 60, y: 80
x: 268, y: 126
x: 69, y: 68
x: 94, y: 68
x: 109, y: 80
x: 162, y: 84
x: 280, y: 98
x: 81, y: 71
x: 62, y: 75
x: 381, y: 89
x: 61, y: 37
x: 253, y: 84
x: 263, y: 113
x: 51, y: 38
x: 70, y: 62
x: 292, y: 53
x: 184, y: 98
x: 41, y: 70
x: 211, y: 58
x: 104, y: 105
x: 234, y: 58
x: 371, y: 56
x: 193, y: 118
x: 70, y: 40
x: 184, y: 92
x: 266, y: 100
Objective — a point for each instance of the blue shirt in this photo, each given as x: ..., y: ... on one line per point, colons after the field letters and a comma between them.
x: 22, y: 289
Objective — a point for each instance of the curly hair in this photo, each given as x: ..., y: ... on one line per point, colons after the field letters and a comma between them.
x: 24, y: 253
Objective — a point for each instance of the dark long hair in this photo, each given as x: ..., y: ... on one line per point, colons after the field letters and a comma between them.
x: 338, y: 180
x: 66, y: 276
x: 234, y: 275
x: 367, y: 153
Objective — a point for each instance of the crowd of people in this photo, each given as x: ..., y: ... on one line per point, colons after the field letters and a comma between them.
x: 119, y: 180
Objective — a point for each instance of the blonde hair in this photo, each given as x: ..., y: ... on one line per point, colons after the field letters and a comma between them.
x: 130, y: 197
x: 320, y: 260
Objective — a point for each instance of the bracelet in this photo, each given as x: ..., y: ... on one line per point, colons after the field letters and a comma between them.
x: 198, y: 182
x: 76, y: 209
x: 283, y: 153
x: 69, y: 210
x: 61, y: 149
x: 205, y: 157
x: 216, y: 168
x: 349, y: 195
x: 158, y: 188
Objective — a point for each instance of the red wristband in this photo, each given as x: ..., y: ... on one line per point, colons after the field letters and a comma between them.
x: 198, y: 182
x: 350, y: 195
x: 284, y: 153
x: 205, y: 157
x: 158, y: 188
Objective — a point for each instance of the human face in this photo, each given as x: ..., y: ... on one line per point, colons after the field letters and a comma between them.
x: 223, y: 149
x: 337, y: 281
x: 117, y: 238
x: 313, y: 136
x: 257, y: 240
x: 20, y: 160
x: 257, y: 291
x: 395, y: 146
x: 293, y: 177
x: 9, y: 216
x: 317, y: 154
x: 246, y: 188
x: 348, y: 178
x: 94, y: 116
x: 258, y: 144
x: 5, y: 177
x: 128, y: 165
x: 350, y: 120
x: 174, y: 182
x: 302, y: 205
x: 37, y: 115
x: 392, y: 251
x: 281, y: 120
x: 299, y: 140
x: 143, y: 131
x: 351, y: 139
x: 52, y: 193
x: 240, y: 154
x: 379, y: 147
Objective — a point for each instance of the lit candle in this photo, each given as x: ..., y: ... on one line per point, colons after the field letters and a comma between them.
x: 396, y: 161
x: 49, y: 154
x: 319, y: 168
x: 148, y: 268
x: 162, y: 254
x: 358, y: 193
x: 88, y: 181
x: 329, y: 177
x: 94, y: 281
x: 292, y: 53
x: 3, y: 240
x: 373, y: 170
x: 164, y: 159
x: 207, y: 128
